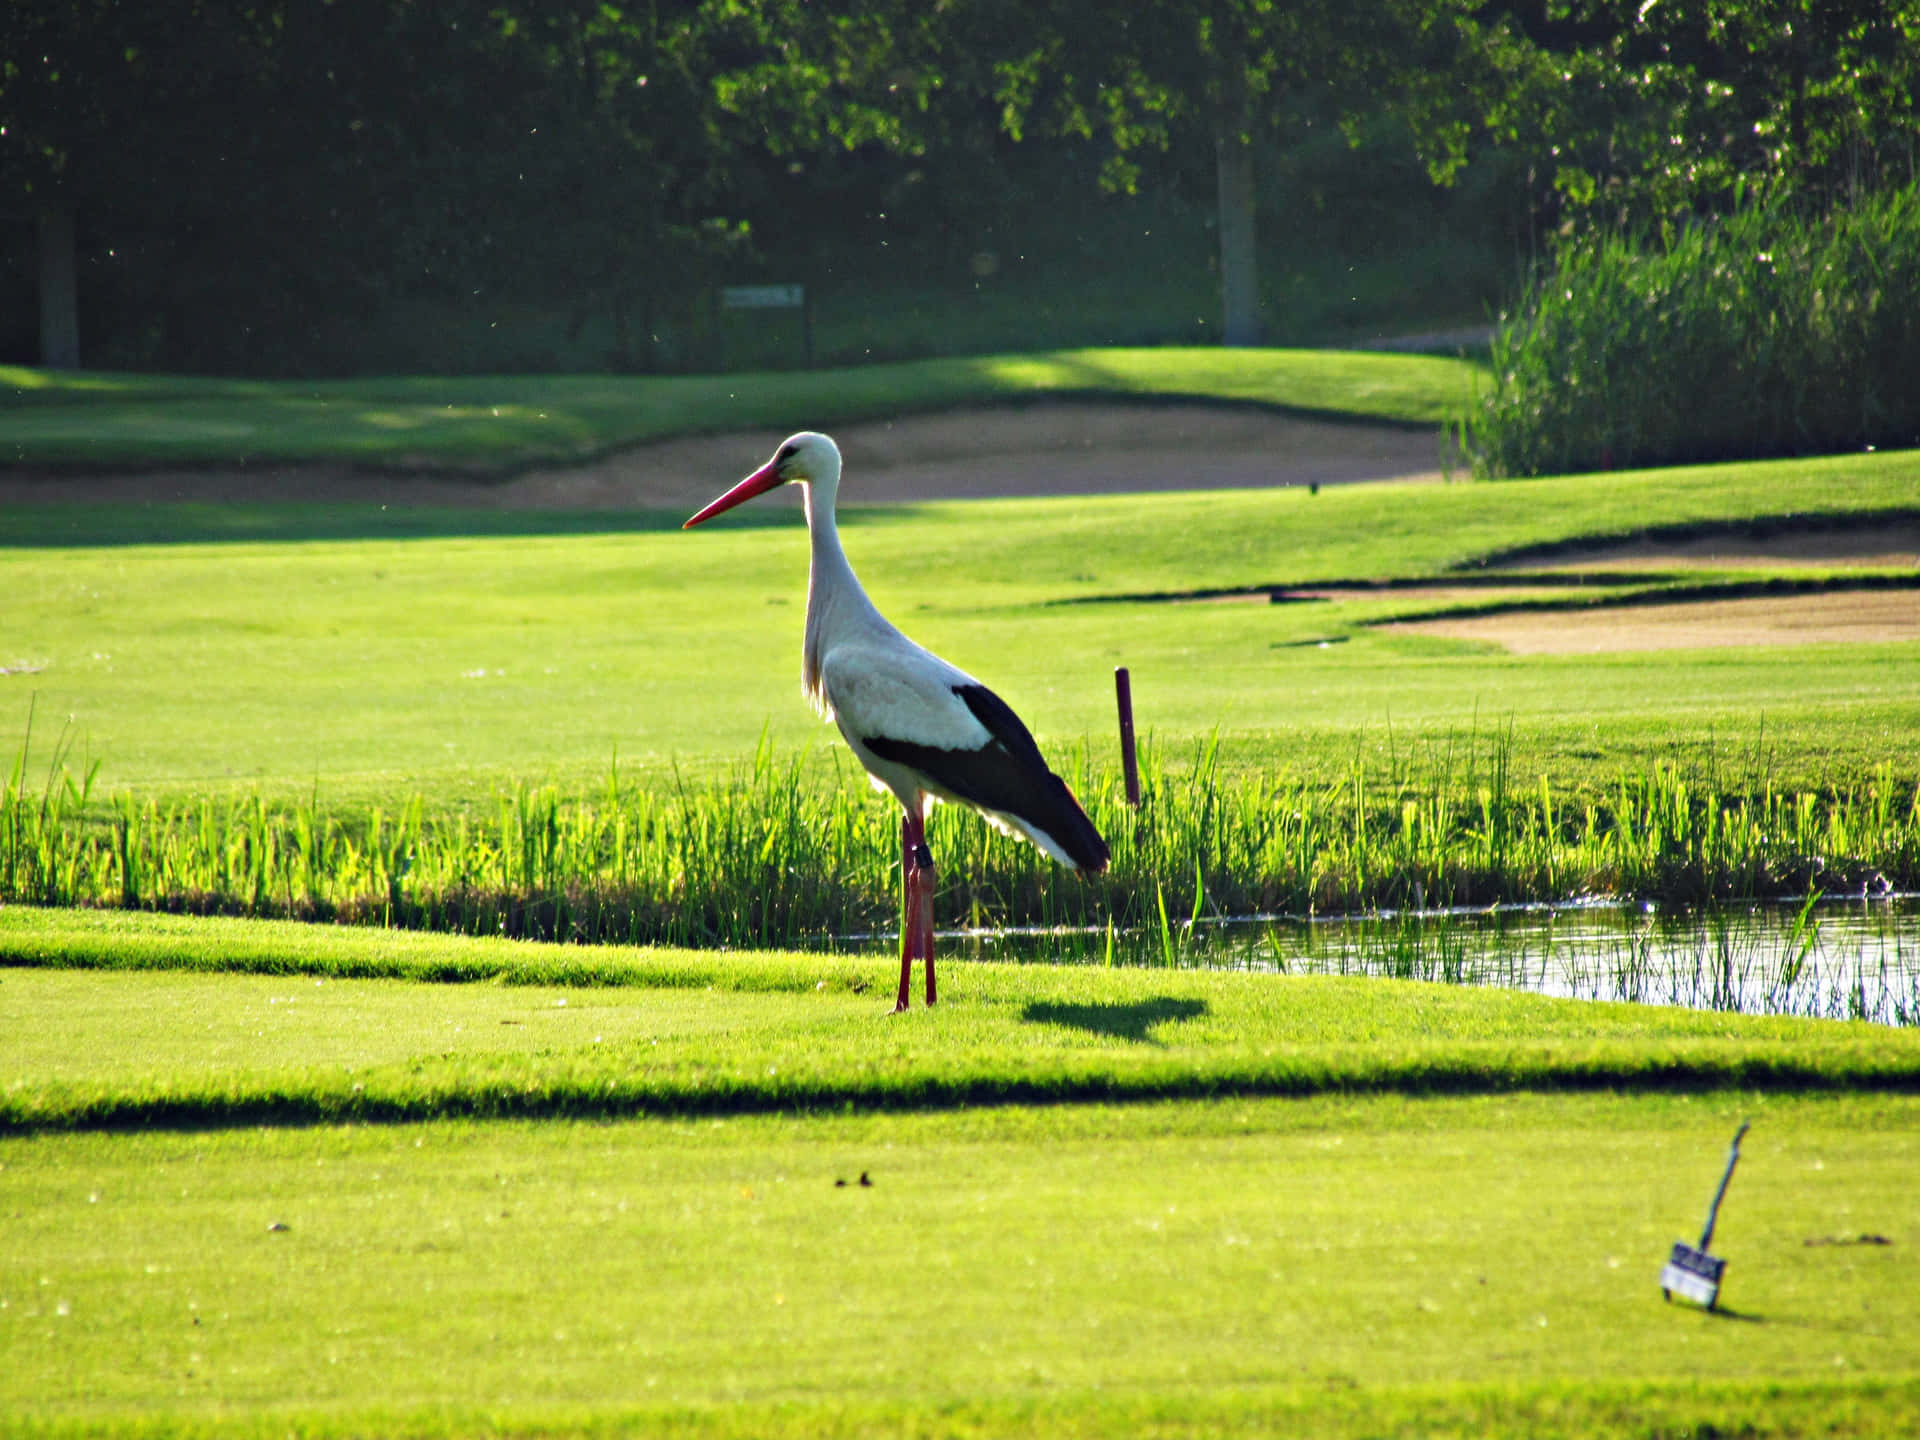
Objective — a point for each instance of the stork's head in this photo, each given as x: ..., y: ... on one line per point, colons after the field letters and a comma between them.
x: 806, y: 458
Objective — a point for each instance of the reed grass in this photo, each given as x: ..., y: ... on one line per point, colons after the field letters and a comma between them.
x: 1764, y: 333
x: 788, y: 851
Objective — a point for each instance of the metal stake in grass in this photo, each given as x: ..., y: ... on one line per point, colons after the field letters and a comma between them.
x: 1690, y: 1269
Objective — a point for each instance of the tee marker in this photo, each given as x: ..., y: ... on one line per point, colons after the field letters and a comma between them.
x: 1690, y: 1270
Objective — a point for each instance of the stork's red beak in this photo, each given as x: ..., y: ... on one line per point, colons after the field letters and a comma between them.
x: 758, y: 483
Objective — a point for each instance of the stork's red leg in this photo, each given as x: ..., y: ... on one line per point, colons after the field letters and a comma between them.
x: 916, y: 906
x: 923, y: 866
x: 909, y: 904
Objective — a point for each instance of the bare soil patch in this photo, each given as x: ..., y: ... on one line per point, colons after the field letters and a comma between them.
x: 1851, y: 617
x: 1049, y: 448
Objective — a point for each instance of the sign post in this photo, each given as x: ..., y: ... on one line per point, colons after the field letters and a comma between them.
x: 1690, y: 1270
x: 775, y: 297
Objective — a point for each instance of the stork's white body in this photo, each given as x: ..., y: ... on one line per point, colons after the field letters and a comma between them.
x: 922, y: 728
x: 862, y: 673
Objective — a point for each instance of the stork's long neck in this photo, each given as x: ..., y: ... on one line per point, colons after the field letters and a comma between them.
x: 836, y: 603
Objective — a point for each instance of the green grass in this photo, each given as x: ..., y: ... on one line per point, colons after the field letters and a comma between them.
x: 483, y: 712
x: 1335, y: 1263
x: 403, y: 653
x: 1336, y: 1266
x: 344, y: 1025
x: 1401, y: 1209
x: 769, y: 857
x: 1480, y: 1264
x: 505, y: 423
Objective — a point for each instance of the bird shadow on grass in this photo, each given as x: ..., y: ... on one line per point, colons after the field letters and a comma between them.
x: 1123, y: 1022
x: 1747, y: 1317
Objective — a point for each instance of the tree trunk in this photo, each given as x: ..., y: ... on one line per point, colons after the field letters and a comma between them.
x: 1239, y: 270
x: 622, y: 332
x: 59, y: 303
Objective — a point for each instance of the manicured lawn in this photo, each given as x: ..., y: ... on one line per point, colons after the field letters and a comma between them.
x: 156, y: 1027
x: 501, y: 423
x: 1328, y: 1266
x: 263, y: 1178
x: 444, y: 655
x: 1332, y: 1262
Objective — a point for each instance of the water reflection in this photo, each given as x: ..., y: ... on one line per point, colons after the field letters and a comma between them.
x: 1857, y: 960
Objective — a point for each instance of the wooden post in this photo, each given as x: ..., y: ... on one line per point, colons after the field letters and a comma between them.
x: 1123, y: 693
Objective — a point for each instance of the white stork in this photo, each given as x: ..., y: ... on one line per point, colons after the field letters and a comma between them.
x: 923, y: 729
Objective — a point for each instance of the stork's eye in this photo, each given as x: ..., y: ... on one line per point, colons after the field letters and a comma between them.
x: 787, y: 452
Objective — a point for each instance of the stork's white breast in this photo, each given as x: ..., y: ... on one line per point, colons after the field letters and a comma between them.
x: 901, y: 692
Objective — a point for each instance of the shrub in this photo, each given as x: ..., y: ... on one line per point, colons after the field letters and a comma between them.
x: 1760, y: 334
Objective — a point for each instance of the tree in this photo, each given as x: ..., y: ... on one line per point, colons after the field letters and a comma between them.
x: 77, y: 97
x: 238, y: 175
x: 1640, y: 113
x: 1232, y: 70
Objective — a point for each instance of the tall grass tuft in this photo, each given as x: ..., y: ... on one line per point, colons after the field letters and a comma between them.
x: 1764, y: 333
x: 779, y: 853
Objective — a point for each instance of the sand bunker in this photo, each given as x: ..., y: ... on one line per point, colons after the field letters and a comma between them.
x: 1881, y: 545
x: 1073, y: 447
x: 1850, y: 617
x: 1045, y: 448
x: 1054, y: 448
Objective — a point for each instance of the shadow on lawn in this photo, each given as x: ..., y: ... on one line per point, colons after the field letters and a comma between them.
x: 1125, y: 1022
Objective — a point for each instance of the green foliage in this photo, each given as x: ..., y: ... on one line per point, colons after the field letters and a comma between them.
x: 538, y: 187
x: 1761, y: 334
x: 580, y: 156
x: 1631, y: 114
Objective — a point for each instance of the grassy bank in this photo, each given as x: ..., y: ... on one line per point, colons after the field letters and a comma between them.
x: 130, y: 1021
x: 1336, y: 1266
x: 499, y: 424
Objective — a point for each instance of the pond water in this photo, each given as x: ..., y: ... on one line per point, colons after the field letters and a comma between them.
x: 1854, y: 960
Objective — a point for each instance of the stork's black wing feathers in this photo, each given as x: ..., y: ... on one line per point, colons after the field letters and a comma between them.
x: 1007, y: 775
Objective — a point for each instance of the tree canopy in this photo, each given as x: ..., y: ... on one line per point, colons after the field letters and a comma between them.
x: 238, y: 175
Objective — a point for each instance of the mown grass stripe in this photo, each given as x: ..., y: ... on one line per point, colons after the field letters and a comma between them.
x: 1455, y: 1073
x: 1548, y: 1410
x: 127, y: 1022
